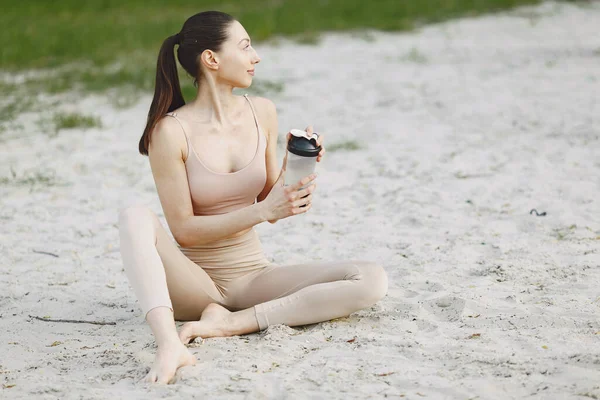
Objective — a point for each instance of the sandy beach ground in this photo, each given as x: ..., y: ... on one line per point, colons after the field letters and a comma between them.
x: 462, y: 128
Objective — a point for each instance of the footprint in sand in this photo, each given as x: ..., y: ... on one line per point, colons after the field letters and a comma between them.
x: 426, y: 326
x: 446, y: 308
x: 428, y: 286
x: 403, y: 310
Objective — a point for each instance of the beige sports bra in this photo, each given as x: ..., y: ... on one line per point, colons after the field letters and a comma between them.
x: 219, y: 193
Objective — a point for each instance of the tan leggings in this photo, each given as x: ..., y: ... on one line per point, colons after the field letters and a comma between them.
x: 235, y: 274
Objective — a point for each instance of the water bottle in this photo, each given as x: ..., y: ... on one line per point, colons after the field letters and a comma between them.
x: 302, y: 156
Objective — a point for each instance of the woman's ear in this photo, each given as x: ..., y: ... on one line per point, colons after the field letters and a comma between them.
x: 209, y: 59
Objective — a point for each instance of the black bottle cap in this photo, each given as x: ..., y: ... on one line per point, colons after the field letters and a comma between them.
x: 304, y: 147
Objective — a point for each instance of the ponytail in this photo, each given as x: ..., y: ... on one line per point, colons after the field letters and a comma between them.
x: 167, y: 92
x: 205, y: 30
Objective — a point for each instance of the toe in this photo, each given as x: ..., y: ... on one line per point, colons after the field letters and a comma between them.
x: 151, y: 377
x: 187, y: 334
x: 184, y: 336
x: 165, y: 377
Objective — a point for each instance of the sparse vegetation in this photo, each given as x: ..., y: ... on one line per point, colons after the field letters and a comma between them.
x: 92, y: 47
x: 415, y: 56
x: 348, y: 145
x: 74, y: 120
x: 564, y: 232
x: 32, y: 179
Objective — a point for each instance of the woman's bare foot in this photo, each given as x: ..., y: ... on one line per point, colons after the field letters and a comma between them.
x: 214, y: 322
x: 169, y: 358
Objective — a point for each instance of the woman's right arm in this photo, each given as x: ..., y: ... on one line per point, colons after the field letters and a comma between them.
x: 166, y: 153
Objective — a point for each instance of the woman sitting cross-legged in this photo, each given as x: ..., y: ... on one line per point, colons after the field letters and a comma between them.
x: 214, y: 164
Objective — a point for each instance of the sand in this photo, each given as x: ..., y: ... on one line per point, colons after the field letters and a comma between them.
x: 463, y: 128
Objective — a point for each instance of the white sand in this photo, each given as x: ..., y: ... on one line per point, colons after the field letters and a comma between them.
x: 484, y: 120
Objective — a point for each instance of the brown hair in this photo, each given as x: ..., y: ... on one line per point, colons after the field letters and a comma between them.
x: 205, y: 30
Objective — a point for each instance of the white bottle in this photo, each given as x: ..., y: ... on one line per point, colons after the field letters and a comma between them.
x: 302, y: 156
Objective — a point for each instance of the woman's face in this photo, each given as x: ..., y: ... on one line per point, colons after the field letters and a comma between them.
x: 237, y: 58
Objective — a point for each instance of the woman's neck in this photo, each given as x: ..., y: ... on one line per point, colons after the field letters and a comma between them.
x: 214, y: 103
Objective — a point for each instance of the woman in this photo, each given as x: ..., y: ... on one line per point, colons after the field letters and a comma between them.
x: 214, y: 165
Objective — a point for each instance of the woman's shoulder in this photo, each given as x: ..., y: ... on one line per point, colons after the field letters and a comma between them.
x: 262, y: 104
x: 168, y: 135
x: 167, y: 124
x: 266, y: 111
x: 267, y: 116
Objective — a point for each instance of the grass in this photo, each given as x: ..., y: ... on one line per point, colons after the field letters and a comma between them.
x: 46, y: 34
x: 125, y: 84
x: 563, y: 233
x: 53, y: 124
x: 348, y: 145
x: 414, y: 56
x: 98, y: 46
x: 35, y: 179
x: 11, y: 108
x: 74, y: 120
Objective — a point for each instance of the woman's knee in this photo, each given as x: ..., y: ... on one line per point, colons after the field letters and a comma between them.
x: 374, y: 282
x: 134, y: 214
x: 134, y: 218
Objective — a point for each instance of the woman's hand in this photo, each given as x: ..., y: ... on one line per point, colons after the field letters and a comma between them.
x: 285, y: 201
x: 292, y: 192
x: 320, y: 138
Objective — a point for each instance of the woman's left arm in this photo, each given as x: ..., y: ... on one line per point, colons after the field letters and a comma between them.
x: 269, y: 113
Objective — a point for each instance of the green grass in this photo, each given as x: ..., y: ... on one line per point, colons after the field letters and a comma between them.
x: 32, y: 179
x: 100, y: 46
x: 45, y: 34
x: 74, y: 120
x: 52, y: 123
x: 349, y: 145
x: 10, y: 108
